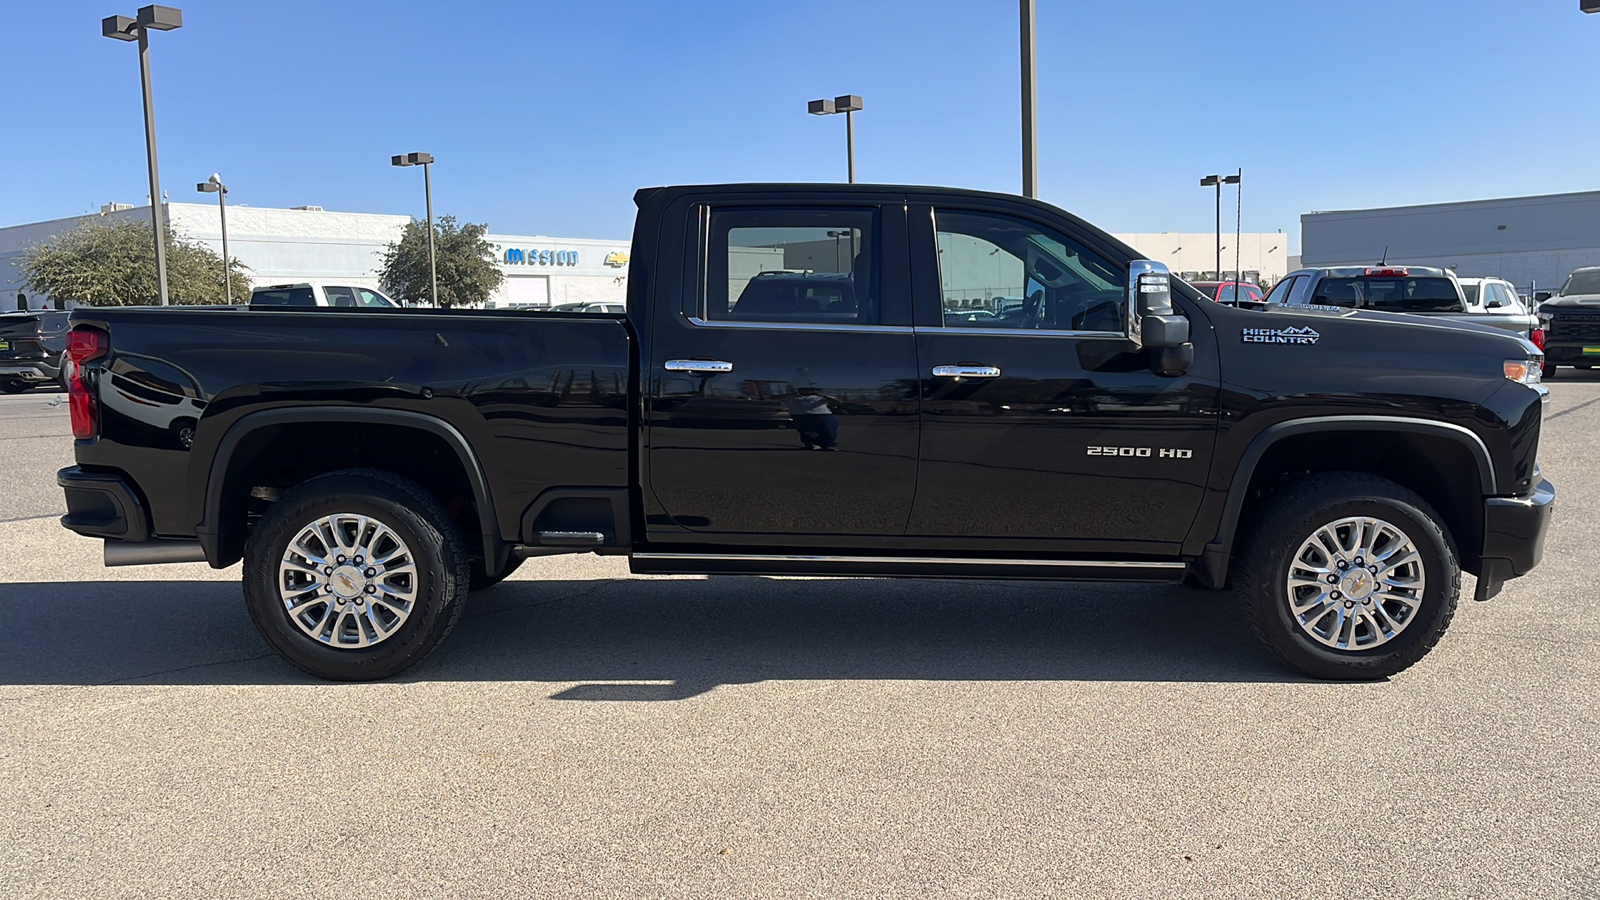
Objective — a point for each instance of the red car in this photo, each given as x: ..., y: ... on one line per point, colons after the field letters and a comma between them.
x: 1230, y: 292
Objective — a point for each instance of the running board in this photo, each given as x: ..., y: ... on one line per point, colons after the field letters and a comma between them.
x: 902, y: 567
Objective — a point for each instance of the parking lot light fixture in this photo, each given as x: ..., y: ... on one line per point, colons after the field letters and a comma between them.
x: 425, y: 160
x: 1218, y: 181
x: 214, y: 185
x: 122, y: 28
x: 848, y: 104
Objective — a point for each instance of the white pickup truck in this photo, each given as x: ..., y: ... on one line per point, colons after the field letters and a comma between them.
x: 317, y: 293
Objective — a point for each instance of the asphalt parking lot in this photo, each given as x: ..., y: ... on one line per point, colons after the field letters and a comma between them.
x: 588, y: 733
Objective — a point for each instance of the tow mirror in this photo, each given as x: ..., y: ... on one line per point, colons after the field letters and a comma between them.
x: 1153, y: 323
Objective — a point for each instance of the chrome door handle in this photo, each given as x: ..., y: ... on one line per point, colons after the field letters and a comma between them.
x: 966, y: 372
x: 699, y: 366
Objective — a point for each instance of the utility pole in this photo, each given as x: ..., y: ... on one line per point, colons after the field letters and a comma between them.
x: 1030, y: 107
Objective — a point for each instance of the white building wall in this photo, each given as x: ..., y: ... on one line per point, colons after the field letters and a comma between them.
x: 1525, y: 240
x: 1263, y: 252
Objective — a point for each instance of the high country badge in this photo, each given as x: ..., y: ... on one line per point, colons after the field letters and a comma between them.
x: 1290, y: 335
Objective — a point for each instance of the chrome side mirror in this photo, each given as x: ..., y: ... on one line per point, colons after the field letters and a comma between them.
x: 1152, y: 322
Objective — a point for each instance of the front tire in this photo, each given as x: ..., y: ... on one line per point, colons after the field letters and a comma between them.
x: 1347, y: 576
x: 355, y: 575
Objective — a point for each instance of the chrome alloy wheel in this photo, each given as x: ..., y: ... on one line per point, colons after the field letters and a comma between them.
x: 1355, y: 583
x: 348, y: 581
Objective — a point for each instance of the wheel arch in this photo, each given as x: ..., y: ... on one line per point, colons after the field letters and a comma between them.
x: 221, y: 531
x: 1426, y: 456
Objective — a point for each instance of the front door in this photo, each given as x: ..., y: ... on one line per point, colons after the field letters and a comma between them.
x: 782, y: 397
x: 1042, y: 426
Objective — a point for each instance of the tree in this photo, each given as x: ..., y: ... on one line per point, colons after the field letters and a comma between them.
x: 467, y: 271
x: 113, y: 263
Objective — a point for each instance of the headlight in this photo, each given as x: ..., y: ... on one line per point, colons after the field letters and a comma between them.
x: 1525, y: 371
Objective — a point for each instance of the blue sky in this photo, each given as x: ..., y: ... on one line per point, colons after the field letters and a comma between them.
x: 545, y: 117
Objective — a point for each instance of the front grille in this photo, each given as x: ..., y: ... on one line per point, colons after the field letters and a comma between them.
x: 1573, y: 326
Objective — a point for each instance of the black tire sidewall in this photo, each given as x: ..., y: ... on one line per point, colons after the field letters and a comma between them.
x: 1284, y: 634
x: 431, y: 617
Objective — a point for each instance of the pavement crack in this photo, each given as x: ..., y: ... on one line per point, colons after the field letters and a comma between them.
x: 1572, y: 409
x: 131, y: 678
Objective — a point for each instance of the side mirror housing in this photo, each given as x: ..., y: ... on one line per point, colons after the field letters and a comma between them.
x: 1149, y: 294
x: 1153, y: 324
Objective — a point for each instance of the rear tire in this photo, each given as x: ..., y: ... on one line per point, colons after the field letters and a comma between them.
x: 15, y: 387
x: 355, y: 576
x: 1547, y: 371
x: 1382, y: 613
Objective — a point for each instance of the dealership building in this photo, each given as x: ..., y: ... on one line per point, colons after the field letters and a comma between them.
x: 1533, y: 242
x: 287, y: 245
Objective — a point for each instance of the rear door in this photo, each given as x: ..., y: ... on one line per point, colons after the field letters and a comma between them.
x: 781, y: 391
x: 1045, y: 428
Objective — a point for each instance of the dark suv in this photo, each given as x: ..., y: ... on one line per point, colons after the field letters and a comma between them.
x: 32, y: 345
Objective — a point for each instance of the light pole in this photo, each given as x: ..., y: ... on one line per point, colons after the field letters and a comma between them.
x: 1030, y: 107
x: 425, y: 160
x: 214, y: 185
x: 158, y: 18
x: 1219, y: 181
x: 849, y: 104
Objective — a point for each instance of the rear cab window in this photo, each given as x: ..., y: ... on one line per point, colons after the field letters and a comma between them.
x: 1405, y: 294
x: 285, y: 296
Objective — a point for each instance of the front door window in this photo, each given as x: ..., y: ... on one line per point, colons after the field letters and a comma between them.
x: 1000, y: 272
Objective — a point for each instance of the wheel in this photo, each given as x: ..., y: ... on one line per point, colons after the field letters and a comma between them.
x: 355, y: 575
x: 63, y: 379
x: 13, y: 386
x: 1348, y: 576
x: 482, y: 579
x: 1547, y: 371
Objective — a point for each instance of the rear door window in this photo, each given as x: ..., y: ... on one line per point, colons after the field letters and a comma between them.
x: 795, y: 266
x: 1280, y: 292
x: 340, y: 296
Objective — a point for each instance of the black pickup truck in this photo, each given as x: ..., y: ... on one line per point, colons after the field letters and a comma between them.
x: 822, y: 380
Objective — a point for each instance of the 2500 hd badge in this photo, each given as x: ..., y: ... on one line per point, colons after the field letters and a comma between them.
x: 1166, y: 452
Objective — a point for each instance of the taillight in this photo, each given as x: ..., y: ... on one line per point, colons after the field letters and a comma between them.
x: 1537, y: 336
x: 83, y: 345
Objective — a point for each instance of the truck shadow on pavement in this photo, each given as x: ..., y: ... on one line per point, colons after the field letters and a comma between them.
x: 646, y: 639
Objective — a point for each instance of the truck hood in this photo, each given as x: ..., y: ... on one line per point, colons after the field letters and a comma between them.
x: 1573, y: 300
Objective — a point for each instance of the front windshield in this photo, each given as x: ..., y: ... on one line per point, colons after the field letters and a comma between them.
x: 1408, y: 295
x: 1581, y: 283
